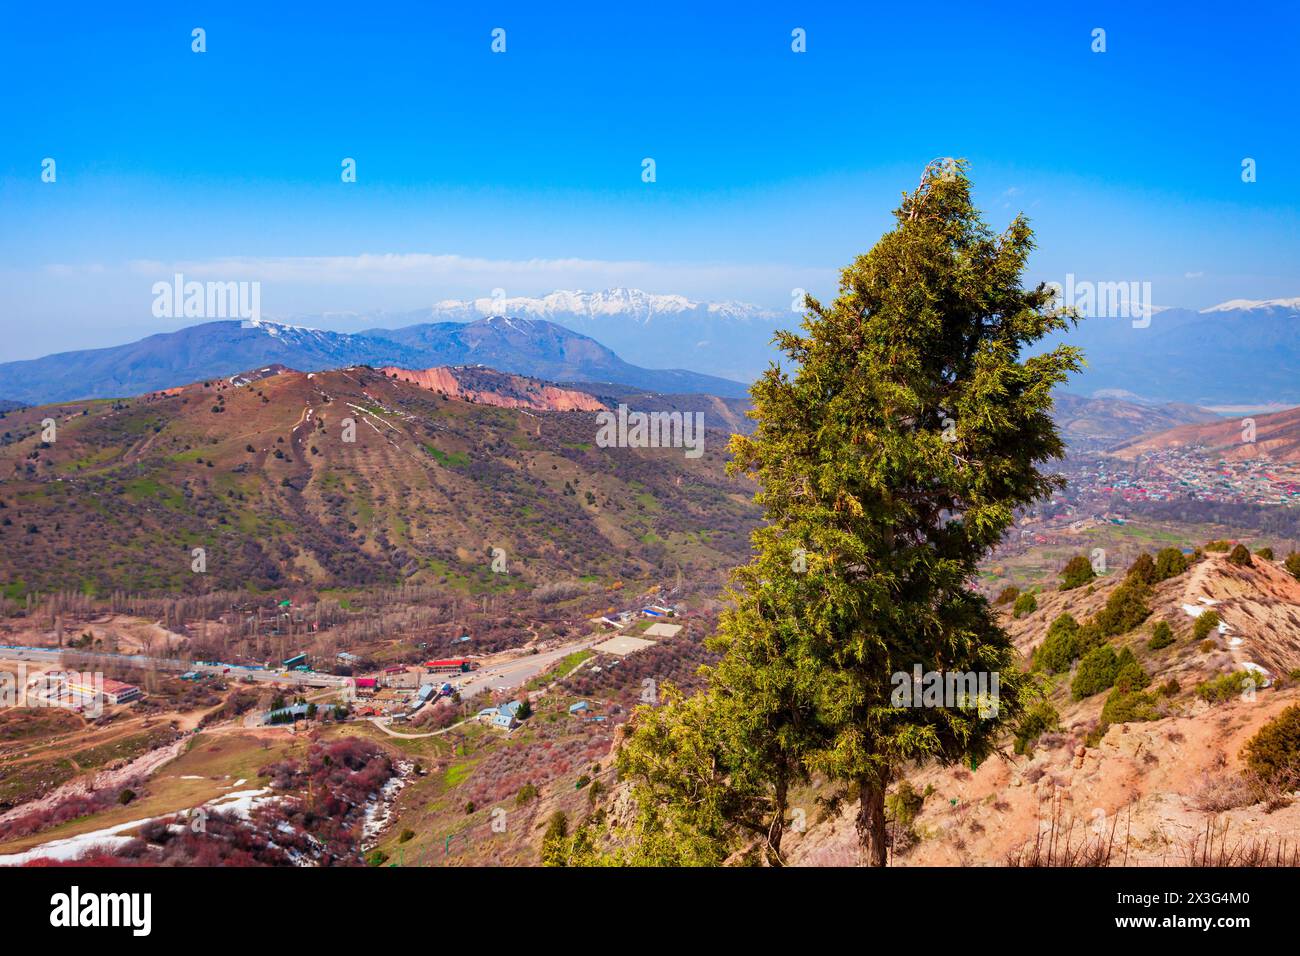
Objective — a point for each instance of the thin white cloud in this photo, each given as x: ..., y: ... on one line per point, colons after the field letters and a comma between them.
x: 423, y: 267
x: 294, y: 283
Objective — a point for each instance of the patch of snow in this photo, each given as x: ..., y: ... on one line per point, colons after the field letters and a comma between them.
x: 379, y: 808
x: 1247, y: 305
x: 111, y: 838
x: 633, y: 304
x: 1261, y: 671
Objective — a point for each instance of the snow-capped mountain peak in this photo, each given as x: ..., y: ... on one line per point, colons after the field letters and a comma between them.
x: 291, y: 333
x: 1252, y: 305
x: 633, y: 304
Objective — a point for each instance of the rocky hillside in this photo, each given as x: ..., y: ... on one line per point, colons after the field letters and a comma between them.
x: 1165, y: 790
x: 490, y: 387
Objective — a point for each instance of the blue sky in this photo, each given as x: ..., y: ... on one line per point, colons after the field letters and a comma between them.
x: 522, y: 170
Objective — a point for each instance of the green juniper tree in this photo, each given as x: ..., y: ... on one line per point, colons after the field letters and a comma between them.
x: 891, y: 455
x: 1077, y: 572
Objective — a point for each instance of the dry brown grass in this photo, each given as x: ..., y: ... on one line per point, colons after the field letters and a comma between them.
x: 1224, y: 791
x: 1211, y: 848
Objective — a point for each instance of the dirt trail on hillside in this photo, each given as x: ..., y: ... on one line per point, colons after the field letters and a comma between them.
x: 1261, y: 606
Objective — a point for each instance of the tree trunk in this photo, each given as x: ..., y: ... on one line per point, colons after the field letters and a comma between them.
x: 870, y: 823
x: 777, y: 829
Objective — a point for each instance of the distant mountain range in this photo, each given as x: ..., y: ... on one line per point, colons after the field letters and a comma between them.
x: 219, y: 349
x: 1238, y: 352
x: 727, y: 339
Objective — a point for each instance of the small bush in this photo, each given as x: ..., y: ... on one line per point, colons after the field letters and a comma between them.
x: 377, y: 858
x: 1127, y: 707
x: 1076, y: 573
x: 1129, y: 675
x: 1039, y: 719
x: 903, y: 805
x: 1007, y: 595
x: 1125, y: 609
x: 1096, y: 672
x: 1265, y: 553
x: 1090, y: 637
x: 1206, y: 623
x: 1143, y: 569
x: 554, y: 842
x: 1219, y: 545
x: 1170, y: 562
x: 1240, y: 557
x: 1162, y: 635
x: 1221, y: 793
x: 526, y: 793
x: 1292, y: 564
x: 1025, y: 604
x: 1061, y: 646
x: 1216, y: 690
x: 406, y: 837
x: 1273, y: 754
x: 1122, y: 706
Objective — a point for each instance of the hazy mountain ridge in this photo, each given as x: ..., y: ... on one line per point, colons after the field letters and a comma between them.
x: 215, y: 350
x: 725, y: 338
x: 1098, y: 424
x: 546, y: 350
x: 1236, y: 352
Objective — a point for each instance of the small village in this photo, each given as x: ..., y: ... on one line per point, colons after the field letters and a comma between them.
x: 311, y: 687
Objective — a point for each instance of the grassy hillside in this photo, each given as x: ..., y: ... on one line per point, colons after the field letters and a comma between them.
x: 261, y: 477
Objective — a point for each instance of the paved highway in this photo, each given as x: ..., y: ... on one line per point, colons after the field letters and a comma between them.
x: 53, y: 657
x: 509, y: 674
